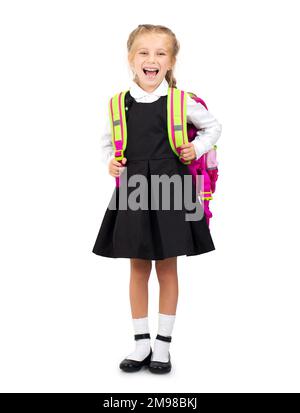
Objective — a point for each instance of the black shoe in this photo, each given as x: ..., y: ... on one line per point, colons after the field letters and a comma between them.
x: 160, y: 367
x: 129, y: 365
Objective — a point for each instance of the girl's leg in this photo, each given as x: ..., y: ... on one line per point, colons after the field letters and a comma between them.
x: 138, y: 287
x: 168, y: 282
x: 168, y: 297
x: 138, y: 291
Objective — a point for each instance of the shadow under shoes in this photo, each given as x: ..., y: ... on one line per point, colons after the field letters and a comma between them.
x: 160, y: 367
x: 129, y: 365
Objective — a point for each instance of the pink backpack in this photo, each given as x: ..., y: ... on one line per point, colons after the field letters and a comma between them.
x: 206, y: 165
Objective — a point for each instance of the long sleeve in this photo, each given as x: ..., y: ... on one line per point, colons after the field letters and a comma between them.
x: 107, y: 151
x: 209, y: 129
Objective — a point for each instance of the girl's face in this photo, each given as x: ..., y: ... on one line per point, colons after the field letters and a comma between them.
x: 151, y: 51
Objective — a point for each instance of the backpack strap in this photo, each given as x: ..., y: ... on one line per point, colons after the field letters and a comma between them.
x: 118, y: 124
x: 177, y: 122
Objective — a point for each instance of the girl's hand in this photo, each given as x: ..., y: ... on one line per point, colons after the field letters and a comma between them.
x: 115, y: 168
x: 188, y: 152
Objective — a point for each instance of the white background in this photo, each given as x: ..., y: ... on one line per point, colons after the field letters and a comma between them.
x: 65, y: 313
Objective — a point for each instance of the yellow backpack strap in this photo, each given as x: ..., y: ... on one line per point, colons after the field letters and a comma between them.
x: 177, y: 123
x: 118, y: 124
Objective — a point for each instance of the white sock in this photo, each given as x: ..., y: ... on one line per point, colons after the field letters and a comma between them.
x: 142, y: 346
x: 165, y: 328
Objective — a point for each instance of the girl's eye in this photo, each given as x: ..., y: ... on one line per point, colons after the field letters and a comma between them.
x: 161, y: 54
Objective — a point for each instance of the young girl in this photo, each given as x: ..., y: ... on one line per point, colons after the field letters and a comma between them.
x: 153, y: 234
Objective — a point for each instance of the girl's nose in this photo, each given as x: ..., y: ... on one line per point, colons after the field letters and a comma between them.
x: 151, y: 59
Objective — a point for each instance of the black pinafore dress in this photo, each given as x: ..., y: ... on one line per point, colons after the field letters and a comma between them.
x: 152, y: 234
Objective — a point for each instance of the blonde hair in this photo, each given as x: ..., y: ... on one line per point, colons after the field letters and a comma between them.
x: 151, y: 28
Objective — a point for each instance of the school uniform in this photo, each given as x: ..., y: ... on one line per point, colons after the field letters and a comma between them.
x: 158, y: 233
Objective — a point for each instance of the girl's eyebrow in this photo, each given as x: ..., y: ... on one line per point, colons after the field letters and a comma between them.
x: 145, y: 48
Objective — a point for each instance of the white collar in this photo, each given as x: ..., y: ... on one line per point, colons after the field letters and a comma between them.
x: 137, y: 92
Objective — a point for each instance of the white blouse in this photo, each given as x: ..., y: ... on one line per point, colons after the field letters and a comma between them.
x: 208, y: 128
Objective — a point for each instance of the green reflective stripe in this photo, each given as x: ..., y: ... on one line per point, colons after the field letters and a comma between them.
x: 178, y: 135
x: 116, y: 119
x: 169, y: 121
x: 177, y: 118
x: 123, y: 114
x: 184, y: 120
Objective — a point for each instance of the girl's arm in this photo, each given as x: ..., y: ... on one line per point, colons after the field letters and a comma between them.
x: 107, y: 151
x: 209, y: 129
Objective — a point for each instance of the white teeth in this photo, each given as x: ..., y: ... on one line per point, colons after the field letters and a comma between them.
x: 150, y: 70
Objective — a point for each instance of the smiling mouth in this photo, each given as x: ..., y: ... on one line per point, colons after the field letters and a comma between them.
x: 151, y: 74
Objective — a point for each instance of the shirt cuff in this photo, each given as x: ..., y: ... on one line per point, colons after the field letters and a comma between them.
x: 199, y: 149
x: 109, y: 159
